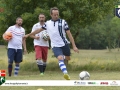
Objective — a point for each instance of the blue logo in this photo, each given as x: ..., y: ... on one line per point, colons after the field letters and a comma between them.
x: 117, y: 11
x: 79, y: 83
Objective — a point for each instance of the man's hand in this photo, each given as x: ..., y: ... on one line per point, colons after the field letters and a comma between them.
x: 25, y: 52
x: 37, y: 37
x: 7, y: 40
x: 76, y: 49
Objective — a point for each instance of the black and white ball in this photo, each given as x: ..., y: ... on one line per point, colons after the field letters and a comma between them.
x: 84, y: 75
x: 45, y: 36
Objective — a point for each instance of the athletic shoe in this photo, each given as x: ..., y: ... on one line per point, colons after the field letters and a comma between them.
x: 41, y: 74
x: 66, y: 76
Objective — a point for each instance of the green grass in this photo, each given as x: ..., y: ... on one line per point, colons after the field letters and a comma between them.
x: 60, y: 88
x: 101, y: 64
x: 53, y: 75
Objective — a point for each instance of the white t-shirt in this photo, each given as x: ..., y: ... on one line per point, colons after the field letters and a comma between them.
x: 17, y: 36
x: 57, y: 37
x: 40, y: 41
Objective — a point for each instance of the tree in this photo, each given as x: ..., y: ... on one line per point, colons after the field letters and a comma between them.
x: 78, y: 13
x: 115, y: 27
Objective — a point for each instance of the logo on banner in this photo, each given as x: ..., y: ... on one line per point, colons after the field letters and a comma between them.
x: 117, y: 11
x: 79, y: 83
x: 93, y: 83
x: 104, y: 83
x: 2, y: 76
x: 114, y: 83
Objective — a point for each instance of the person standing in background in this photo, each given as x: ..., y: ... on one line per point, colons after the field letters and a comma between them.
x: 15, y: 52
x: 41, y: 46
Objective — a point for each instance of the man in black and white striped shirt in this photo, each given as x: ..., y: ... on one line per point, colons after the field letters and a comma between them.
x: 57, y: 29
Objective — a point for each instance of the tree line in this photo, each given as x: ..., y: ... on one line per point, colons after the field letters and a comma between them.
x: 92, y: 23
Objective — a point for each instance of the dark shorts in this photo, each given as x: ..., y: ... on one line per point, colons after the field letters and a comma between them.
x: 65, y: 50
x: 14, y: 55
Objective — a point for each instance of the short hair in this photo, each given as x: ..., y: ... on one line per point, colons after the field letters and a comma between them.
x: 18, y: 18
x: 54, y: 8
x: 41, y: 14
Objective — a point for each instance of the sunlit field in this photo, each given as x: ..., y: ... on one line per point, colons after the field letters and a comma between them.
x: 101, y: 64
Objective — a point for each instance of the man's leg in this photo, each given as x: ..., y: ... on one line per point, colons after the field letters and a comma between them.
x: 10, y: 69
x: 66, y: 52
x: 58, y: 53
x: 11, y: 54
x: 63, y: 67
x: 16, y: 69
x: 44, y: 56
x: 18, y: 59
x: 67, y: 58
x: 39, y: 61
x: 44, y: 66
x: 40, y: 65
x: 61, y: 64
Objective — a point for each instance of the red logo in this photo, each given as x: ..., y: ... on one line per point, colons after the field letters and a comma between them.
x: 104, y: 83
x: 2, y: 73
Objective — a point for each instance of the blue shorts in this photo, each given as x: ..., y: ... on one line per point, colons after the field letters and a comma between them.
x: 14, y: 55
x: 65, y: 50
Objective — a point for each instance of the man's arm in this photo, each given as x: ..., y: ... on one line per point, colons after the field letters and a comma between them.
x: 24, y: 44
x: 72, y: 41
x: 34, y: 37
x: 8, y: 30
x: 34, y: 32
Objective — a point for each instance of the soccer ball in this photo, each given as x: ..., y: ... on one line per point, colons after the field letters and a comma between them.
x: 45, y: 36
x: 7, y: 36
x: 84, y: 75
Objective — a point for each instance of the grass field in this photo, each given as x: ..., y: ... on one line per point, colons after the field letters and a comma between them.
x: 29, y: 70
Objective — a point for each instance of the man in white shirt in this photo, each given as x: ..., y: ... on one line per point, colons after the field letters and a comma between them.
x: 57, y: 29
x: 40, y: 45
x: 15, y: 46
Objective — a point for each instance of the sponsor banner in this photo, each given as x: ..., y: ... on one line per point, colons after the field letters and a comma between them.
x: 4, y: 82
x: 61, y: 83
